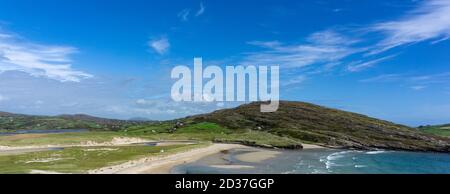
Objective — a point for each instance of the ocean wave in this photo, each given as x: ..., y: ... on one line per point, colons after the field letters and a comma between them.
x: 376, y: 152
x: 338, y: 155
x: 330, y: 160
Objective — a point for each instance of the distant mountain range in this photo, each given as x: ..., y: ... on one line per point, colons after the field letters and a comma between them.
x: 11, y: 121
x: 294, y: 120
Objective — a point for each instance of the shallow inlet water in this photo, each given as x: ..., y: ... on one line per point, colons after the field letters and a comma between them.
x: 325, y: 161
x: 45, y: 131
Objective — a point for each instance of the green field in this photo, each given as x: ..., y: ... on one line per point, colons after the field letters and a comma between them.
x: 441, y: 130
x: 206, y: 131
x: 81, y: 159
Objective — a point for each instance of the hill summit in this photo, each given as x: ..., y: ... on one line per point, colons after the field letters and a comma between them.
x: 328, y: 127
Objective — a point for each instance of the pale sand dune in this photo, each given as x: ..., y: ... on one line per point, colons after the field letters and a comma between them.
x: 163, y: 165
x: 116, y: 141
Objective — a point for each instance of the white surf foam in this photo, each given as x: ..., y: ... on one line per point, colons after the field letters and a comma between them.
x: 376, y: 152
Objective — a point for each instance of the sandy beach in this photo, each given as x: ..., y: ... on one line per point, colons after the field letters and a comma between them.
x: 164, y: 164
x: 257, y: 156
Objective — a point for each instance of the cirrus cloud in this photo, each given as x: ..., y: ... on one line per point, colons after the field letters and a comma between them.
x: 160, y: 46
x: 430, y: 21
x: 38, y: 60
x: 201, y: 11
x: 320, y: 48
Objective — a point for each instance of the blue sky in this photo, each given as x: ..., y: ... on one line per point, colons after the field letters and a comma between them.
x: 112, y: 58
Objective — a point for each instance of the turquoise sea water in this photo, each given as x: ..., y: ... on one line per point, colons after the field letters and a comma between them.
x: 325, y: 161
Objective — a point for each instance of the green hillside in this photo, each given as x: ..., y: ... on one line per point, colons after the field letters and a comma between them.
x: 330, y: 127
x: 10, y: 122
x: 440, y: 130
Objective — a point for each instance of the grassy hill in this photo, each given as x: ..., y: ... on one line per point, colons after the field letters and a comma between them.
x: 440, y: 130
x: 10, y: 121
x: 311, y: 123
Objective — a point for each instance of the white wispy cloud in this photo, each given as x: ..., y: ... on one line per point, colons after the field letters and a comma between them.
x: 184, y: 14
x: 38, y: 60
x: 438, y: 78
x: 413, y: 81
x: 320, y: 48
x: 430, y: 21
x: 362, y: 65
x: 418, y: 88
x: 321, y: 52
x: 294, y: 81
x: 266, y: 44
x: 201, y: 11
x: 383, y: 78
x: 330, y: 37
x: 161, y: 45
x: 416, y: 78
